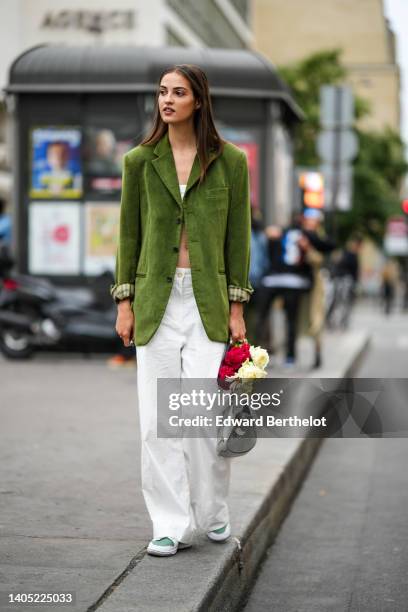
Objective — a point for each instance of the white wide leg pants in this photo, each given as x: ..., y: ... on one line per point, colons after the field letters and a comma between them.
x: 184, y: 482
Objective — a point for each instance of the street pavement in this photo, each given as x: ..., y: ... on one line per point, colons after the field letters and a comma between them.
x: 72, y: 513
x: 343, y: 546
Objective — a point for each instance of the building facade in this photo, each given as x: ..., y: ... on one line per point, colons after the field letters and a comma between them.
x: 287, y: 31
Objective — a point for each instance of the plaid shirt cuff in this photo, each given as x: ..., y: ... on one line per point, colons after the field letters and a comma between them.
x: 238, y: 294
x: 123, y: 291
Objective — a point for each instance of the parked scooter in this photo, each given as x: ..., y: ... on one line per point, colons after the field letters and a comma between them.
x: 35, y: 314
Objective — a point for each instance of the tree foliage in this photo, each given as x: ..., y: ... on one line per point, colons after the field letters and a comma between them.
x: 380, y: 165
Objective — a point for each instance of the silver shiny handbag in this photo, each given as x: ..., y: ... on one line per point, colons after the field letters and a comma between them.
x: 236, y: 440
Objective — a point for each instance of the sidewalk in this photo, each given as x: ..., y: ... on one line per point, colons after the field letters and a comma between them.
x: 73, y: 517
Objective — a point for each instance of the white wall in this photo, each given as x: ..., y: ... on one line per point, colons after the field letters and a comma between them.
x: 10, y: 35
x: 35, y: 11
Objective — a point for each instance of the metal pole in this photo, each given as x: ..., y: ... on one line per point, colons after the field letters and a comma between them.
x: 336, y: 159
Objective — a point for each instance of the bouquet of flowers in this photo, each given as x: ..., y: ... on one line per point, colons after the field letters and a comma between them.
x: 242, y: 363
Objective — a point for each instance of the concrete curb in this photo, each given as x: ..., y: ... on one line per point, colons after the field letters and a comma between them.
x: 227, y: 593
x: 239, y: 570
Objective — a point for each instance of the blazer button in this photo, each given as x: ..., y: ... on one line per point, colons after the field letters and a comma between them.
x: 169, y: 278
x: 178, y: 221
x: 175, y: 249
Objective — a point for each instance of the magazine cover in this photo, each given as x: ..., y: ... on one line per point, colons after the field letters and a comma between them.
x: 56, y: 170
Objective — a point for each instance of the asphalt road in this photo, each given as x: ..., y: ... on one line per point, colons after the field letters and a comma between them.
x: 344, y: 545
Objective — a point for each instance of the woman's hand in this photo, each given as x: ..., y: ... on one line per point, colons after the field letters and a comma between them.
x: 125, y: 322
x: 236, y: 322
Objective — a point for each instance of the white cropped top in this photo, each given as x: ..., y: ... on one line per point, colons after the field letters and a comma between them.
x: 182, y: 189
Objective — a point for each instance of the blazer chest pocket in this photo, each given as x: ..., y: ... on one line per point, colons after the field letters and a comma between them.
x: 218, y: 196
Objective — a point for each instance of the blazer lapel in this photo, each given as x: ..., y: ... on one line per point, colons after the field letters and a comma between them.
x: 196, y: 170
x: 166, y: 168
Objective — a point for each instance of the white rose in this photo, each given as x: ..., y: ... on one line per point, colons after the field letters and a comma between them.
x: 250, y: 370
x: 259, y: 356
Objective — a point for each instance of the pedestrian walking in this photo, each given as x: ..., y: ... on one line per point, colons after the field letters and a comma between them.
x: 181, y: 281
x: 345, y: 276
x: 266, y: 295
x: 288, y: 277
x: 295, y: 256
x: 259, y: 265
x: 389, y: 278
x: 312, y: 309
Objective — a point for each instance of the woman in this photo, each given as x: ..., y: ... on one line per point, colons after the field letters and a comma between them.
x: 181, y: 281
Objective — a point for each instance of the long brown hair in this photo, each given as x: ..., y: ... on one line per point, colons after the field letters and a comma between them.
x: 206, y: 133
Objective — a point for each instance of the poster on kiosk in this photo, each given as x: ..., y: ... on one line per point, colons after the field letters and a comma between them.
x: 56, y: 171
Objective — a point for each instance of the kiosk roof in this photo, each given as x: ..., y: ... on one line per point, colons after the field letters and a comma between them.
x: 60, y: 68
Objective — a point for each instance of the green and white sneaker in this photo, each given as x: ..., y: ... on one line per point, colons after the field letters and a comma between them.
x: 165, y: 547
x: 221, y: 534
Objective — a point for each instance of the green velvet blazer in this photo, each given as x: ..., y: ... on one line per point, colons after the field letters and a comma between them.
x: 218, y: 224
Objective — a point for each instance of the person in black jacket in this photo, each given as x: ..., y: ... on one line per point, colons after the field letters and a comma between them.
x: 289, y: 276
x: 345, y: 276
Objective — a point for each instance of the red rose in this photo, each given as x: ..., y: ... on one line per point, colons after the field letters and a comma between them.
x: 236, y: 355
x: 226, y: 370
x: 245, y: 349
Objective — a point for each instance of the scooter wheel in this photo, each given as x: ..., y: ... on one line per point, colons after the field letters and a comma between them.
x: 15, y: 345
